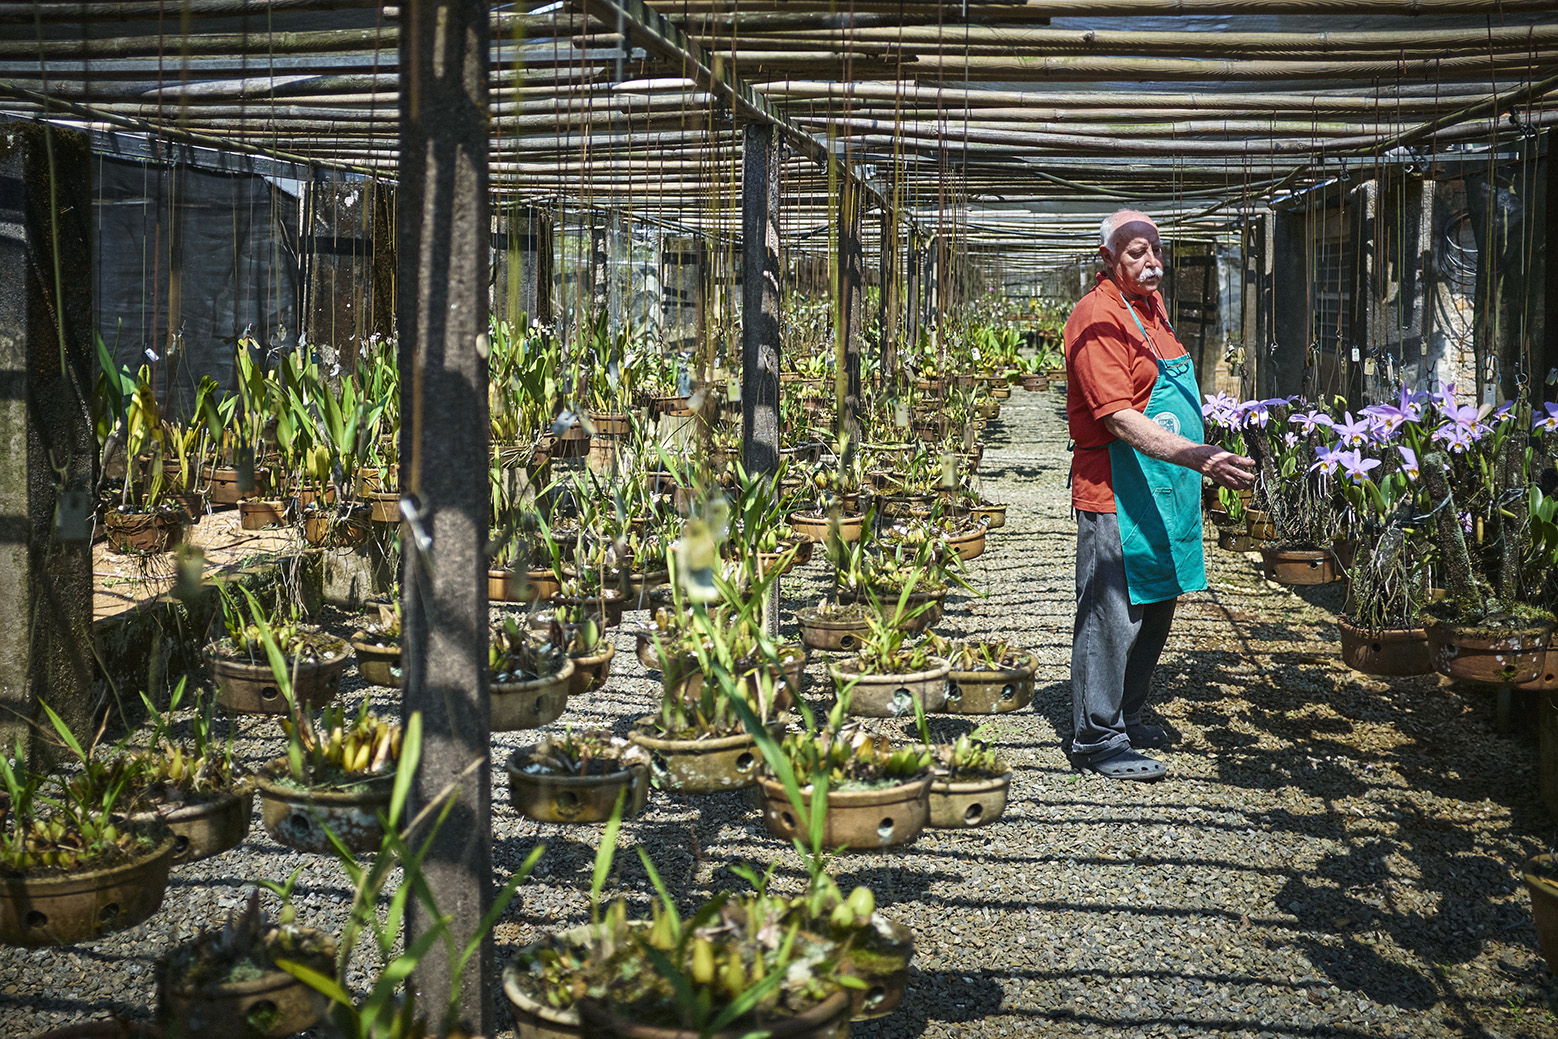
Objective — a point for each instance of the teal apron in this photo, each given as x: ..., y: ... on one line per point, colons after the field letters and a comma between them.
x: 1158, y: 503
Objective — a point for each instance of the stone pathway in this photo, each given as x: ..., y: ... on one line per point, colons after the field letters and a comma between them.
x: 1331, y: 855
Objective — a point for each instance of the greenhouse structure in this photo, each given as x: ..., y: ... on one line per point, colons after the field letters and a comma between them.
x: 728, y: 519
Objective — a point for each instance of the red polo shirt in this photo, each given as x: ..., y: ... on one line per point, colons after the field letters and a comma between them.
x: 1109, y: 368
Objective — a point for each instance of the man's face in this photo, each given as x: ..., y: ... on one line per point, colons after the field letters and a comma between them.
x: 1137, y: 258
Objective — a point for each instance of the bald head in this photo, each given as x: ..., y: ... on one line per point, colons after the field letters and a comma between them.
x: 1132, y: 251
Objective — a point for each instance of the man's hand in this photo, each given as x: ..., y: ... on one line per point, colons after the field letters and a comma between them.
x: 1152, y: 440
x: 1224, y: 467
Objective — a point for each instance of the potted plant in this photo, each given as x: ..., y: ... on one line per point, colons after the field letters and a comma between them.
x: 225, y: 981
x: 333, y: 784
x: 588, y: 649
x: 578, y: 778
x: 189, y: 445
x: 245, y: 680
x: 836, y: 627
x: 126, y: 413
x: 891, y: 677
x: 377, y: 648
x: 72, y: 868
x: 193, y: 786
x: 529, y: 673
x: 972, y: 783
x: 989, y: 678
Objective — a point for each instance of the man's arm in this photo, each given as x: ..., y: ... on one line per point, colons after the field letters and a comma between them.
x: 1152, y: 440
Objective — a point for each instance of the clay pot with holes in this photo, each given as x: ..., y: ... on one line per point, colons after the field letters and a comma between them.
x: 1546, y: 679
x: 831, y: 633
x: 205, y: 827
x: 957, y: 804
x: 259, y: 513
x: 551, y: 798
x: 64, y: 908
x: 991, y: 690
x: 1387, y: 652
x: 1299, y: 566
x: 860, y: 820
x: 1235, y: 540
x: 250, y: 688
x: 264, y: 1002
x: 1508, y: 651
x: 700, y: 766
x: 298, y: 816
x: 143, y: 533
x: 530, y: 704
x: 892, y: 696
x: 816, y: 526
x: 1259, y: 524
x: 880, y: 957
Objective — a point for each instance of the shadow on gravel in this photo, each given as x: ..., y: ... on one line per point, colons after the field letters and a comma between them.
x: 935, y: 996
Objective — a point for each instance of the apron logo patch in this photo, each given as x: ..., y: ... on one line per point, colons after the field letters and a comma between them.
x: 1168, y: 420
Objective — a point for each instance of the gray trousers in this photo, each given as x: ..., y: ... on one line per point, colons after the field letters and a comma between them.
x: 1115, y: 646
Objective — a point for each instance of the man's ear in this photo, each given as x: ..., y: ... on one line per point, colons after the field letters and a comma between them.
x: 1108, y: 257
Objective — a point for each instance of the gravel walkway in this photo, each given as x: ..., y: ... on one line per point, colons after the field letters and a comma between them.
x: 1331, y: 855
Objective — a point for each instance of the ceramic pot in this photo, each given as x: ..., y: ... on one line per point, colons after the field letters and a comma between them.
x: 991, y: 691
x: 574, y: 799
x: 205, y: 828
x: 224, y: 489
x: 917, y: 619
x: 700, y: 766
x: 345, y: 528
x: 298, y: 817
x: 536, y: 1020
x: 836, y: 635
x: 992, y: 516
x: 607, y: 604
x: 960, y: 804
x: 591, y: 670
x: 893, y: 696
x: 270, y: 1006
x: 259, y: 513
x: 860, y: 820
x: 1389, y: 652
x: 882, y: 963
x: 1259, y: 524
x: 1547, y: 678
x: 827, y: 1020
x: 611, y: 425
x: 1473, y: 654
x: 532, y: 704
x: 1235, y: 541
x: 512, y: 586
x: 82, y: 905
x: 245, y: 688
x: 377, y: 664
x: 816, y: 526
x: 141, y: 533
x: 1299, y: 566
x: 969, y: 544
x: 1541, y: 877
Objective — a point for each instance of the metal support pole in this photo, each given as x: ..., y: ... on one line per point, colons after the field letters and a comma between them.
x: 760, y: 316
x: 887, y: 374
x: 442, y: 290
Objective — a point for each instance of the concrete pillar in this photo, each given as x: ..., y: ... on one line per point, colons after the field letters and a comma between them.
x: 444, y: 225
x: 46, y: 439
x: 600, y: 266
x: 849, y: 282
x: 760, y: 167
x: 914, y: 289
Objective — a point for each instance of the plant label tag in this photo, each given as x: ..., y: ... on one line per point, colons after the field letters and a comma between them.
x: 949, y: 470
x: 968, y: 438
x: 901, y: 414
x: 733, y: 390
x: 1552, y: 376
x: 1355, y: 355
x: 244, y: 463
x: 73, y: 515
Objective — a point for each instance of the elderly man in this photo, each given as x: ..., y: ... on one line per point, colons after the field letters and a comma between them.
x: 1134, y: 408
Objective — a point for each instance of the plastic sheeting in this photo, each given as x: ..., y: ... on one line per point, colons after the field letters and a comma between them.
x: 184, y: 261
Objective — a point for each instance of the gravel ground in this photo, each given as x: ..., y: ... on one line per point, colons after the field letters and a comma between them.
x: 1331, y: 855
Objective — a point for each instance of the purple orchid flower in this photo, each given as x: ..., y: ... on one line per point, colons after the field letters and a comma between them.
x: 1456, y: 437
x: 1409, y: 462
x: 1353, y: 432
x: 1219, y: 408
x: 1326, y: 461
x: 1308, y: 421
x: 1547, y: 423
x: 1355, y: 465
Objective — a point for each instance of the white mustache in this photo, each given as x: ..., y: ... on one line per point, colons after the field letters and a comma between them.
x: 1152, y: 272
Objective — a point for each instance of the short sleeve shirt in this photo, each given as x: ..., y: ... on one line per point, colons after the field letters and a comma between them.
x: 1109, y: 368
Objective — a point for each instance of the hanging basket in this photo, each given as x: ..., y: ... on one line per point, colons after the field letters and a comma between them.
x: 551, y: 798
x: 1387, y: 652
x: 82, y: 905
x: 531, y: 704
x: 859, y: 820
